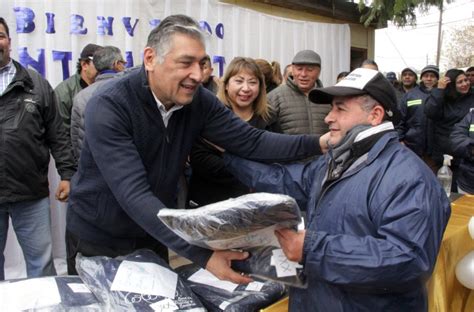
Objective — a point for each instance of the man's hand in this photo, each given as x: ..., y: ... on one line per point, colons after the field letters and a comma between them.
x: 219, y: 265
x: 292, y: 243
x: 62, y: 193
x: 324, y: 142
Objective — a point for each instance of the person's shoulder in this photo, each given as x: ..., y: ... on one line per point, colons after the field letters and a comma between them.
x: 68, y: 83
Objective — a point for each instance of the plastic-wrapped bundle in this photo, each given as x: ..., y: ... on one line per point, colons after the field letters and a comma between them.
x: 52, y: 293
x: 141, y: 281
x: 269, y: 263
x: 243, y: 298
x: 242, y: 222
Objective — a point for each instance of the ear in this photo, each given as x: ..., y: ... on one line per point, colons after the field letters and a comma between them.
x: 149, y: 58
x: 376, y: 115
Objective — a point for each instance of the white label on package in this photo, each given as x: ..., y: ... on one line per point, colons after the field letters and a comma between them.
x: 284, y: 267
x: 207, y: 278
x: 145, y: 278
x: 224, y: 305
x: 263, y: 237
x: 31, y: 294
x: 165, y: 305
x: 254, y: 286
x: 79, y: 288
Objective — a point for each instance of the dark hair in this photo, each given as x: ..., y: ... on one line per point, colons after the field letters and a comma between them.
x: 450, y: 93
x: 369, y: 62
x: 470, y: 69
x: 342, y: 75
x: 4, y: 23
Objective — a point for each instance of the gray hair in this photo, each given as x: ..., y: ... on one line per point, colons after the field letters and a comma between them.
x: 106, y: 57
x: 367, y: 102
x: 160, y: 37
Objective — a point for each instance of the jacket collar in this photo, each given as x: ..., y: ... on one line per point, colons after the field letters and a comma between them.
x: 22, y: 77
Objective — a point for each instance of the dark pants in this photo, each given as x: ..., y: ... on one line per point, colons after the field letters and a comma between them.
x: 74, y: 245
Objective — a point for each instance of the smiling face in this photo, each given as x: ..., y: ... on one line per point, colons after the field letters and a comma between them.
x: 242, y: 89
x: 348, y: 112
x: 5, y: 45
x: 462, y: 84
x: 305, y: 76
x: 175, y: 80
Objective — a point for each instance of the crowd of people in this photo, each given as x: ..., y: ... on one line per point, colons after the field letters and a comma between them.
x: 358, y: 157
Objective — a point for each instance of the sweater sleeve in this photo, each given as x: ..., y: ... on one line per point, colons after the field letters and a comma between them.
x: 225, y: 129
x: 122, y: 168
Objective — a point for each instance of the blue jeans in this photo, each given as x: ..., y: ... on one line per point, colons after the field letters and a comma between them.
x: 32, y: 224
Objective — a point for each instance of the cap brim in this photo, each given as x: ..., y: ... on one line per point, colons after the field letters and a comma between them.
x: 326, y: 95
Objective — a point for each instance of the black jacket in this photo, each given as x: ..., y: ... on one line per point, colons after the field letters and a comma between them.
x: 462, y: 144
x: 30, y: 126
x: 414, y: 129
x: 445, y: 114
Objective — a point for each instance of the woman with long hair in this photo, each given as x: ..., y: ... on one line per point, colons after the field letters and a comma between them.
x: 242, y: 91
x: 446, y: 106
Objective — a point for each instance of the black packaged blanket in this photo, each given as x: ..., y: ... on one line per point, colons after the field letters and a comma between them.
x: 141, y: 281
x: 242, y: 222
x: 52, y: 293
x: 244, y: 298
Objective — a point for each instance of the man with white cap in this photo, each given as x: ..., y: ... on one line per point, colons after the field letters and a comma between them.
x: 290, y: 101
x: 415, y: 129
x: 375, y: 212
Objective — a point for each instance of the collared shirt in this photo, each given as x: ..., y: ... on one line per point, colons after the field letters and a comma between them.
x: 166, y: 115
x: 7, y: 73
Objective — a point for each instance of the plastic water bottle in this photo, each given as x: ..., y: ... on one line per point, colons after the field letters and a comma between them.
x: 445, y: 175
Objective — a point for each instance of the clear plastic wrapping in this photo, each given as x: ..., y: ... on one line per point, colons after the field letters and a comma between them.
x: 141, y: 281
x: 245, y: 298
x: 52, y: 293
x: 242, y: 222
x: 265, y: 263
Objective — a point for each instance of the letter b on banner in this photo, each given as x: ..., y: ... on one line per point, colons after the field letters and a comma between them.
x: 24, y: 20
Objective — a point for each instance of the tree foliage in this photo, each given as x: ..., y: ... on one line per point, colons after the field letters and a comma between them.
x: 400, y: 12
x: 459, y: 51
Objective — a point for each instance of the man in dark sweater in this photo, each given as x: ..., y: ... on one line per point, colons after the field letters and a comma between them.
x: 139, y: 131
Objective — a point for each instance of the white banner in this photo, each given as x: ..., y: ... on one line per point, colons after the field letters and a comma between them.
x: 49, y: 35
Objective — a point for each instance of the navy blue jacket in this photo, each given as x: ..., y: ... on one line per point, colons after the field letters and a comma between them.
x: 130, y: 163
x: 414, y: 129
x: 372, y: 236
x: 445, y: 115
x: 462, y: 144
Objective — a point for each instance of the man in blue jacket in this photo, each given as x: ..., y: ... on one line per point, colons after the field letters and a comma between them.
x: 139, y: 131
x: 415, y: 129
x: 375, y: 212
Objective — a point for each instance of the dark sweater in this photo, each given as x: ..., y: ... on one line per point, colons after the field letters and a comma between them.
x: 130, y: 163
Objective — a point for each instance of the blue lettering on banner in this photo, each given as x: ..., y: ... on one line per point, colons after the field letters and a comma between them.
x: 50, y: 23
x: 219, y: 59
x: 102, y: 24
x: 129, y: 58
x: 154, y: 22
x: 25, y: 24
x: 205, y: 27
x: 220, y: 31
x: 26, y: 60
x: 64, y: 57
x: 24, y: 20
x: 128, y: 26
x: 77, y: 22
